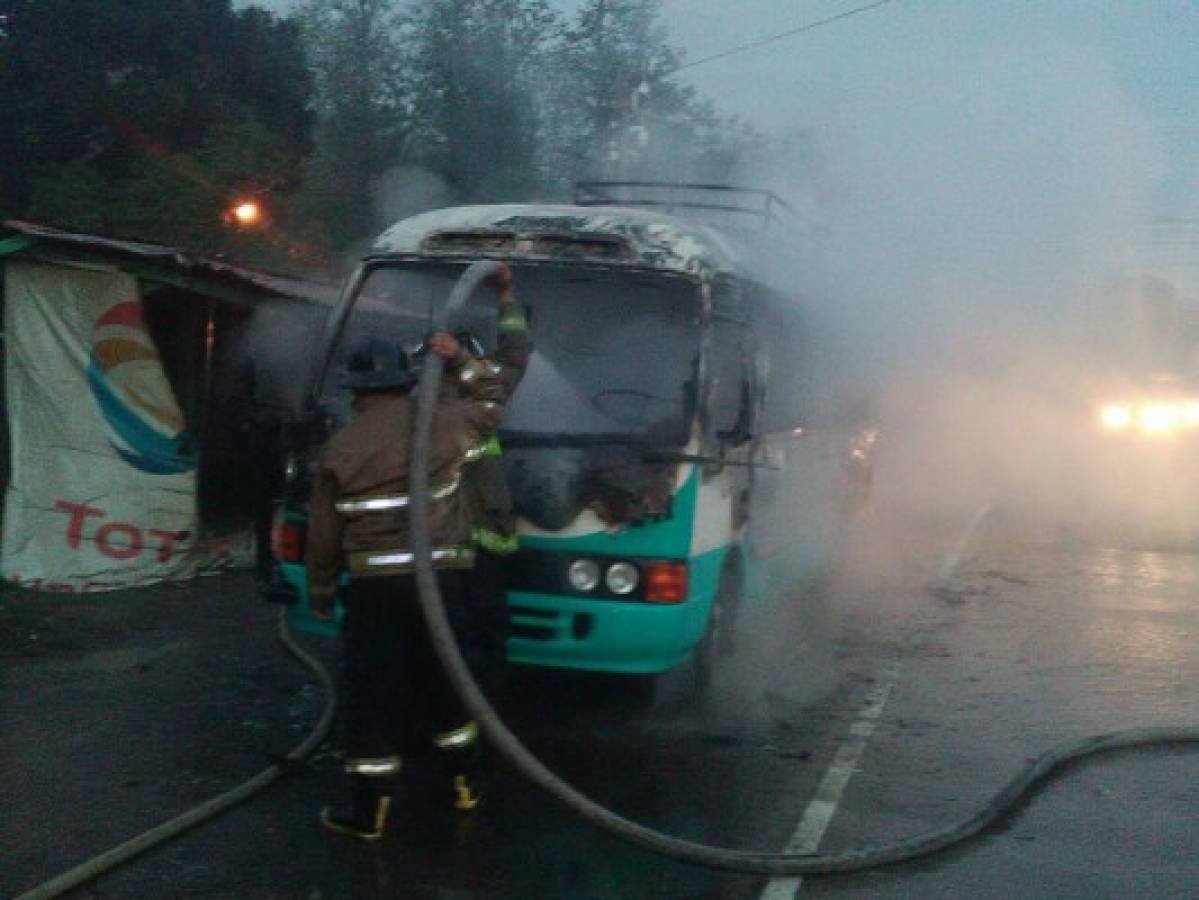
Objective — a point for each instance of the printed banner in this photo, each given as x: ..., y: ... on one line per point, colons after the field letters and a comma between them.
x: 103, y: 485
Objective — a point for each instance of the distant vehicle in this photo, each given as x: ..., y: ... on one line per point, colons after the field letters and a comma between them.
x: 1132, y: 475
x: 635, y: 440
x: 1152, y: 363
x: 1161, y: 409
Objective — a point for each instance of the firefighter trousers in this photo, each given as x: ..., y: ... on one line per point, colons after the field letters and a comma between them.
x: 485, y: 620
x: 398, y: 697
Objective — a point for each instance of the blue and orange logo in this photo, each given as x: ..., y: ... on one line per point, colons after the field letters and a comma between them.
x: 126, y: 378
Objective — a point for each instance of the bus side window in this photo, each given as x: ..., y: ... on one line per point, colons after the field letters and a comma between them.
x: 729, y: 402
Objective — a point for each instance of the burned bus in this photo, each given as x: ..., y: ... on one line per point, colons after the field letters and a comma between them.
x: 632, y: 445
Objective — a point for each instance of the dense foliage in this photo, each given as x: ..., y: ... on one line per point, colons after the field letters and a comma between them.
x: 152, y: 118
x: 147, y: 117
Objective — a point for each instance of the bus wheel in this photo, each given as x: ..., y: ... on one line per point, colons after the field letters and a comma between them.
x: 717, y: 642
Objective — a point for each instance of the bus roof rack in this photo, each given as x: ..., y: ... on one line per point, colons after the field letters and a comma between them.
x: 724, y: 199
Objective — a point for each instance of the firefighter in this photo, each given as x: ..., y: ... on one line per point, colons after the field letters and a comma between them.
x: 396, y: 690
x: 484, y: 623
x: 487, y: 494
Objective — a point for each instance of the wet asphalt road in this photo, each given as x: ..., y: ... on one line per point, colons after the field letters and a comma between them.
x: 128, y: 708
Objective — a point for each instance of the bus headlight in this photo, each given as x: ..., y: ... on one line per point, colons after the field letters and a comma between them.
x: 584, y: 575
x: 622, y: 578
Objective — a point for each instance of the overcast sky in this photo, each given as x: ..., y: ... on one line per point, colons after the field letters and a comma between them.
x: 1141, y: 55
x: 1145, y: 53
x: 1025, y: 107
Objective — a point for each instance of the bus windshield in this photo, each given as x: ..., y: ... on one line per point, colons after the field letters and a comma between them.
x: 615, y: 354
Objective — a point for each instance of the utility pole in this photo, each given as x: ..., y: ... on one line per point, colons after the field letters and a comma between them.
x: 629, y: 137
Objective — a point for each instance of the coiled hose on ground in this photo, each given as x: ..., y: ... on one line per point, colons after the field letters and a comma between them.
x: 446, y: 646
x: 98, y: 865
x: 755, y: 863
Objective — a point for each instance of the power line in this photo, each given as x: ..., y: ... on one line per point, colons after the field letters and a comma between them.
x: 791, y: 32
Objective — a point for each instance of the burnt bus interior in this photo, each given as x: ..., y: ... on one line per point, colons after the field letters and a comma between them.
x: 617, y: 349
x: 625, y: 371
x: 599, y: 368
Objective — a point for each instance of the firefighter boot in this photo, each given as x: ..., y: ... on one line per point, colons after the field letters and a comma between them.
x: 466, y: 792
x: 460, y: 754
x: 365, y: 816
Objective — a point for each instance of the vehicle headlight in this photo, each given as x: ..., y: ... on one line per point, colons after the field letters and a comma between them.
x: 1152, y: 418
x: 1160, y: 418
x: 622, y: 578
x: 1115, y: 417
x: 584, y: 575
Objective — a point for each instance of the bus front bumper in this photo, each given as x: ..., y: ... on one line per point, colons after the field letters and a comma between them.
x: 603, y: 635
x: 564, y: 632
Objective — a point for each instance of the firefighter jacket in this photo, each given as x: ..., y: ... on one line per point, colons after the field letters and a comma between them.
x: 485, y: 484
x: 359, y: 513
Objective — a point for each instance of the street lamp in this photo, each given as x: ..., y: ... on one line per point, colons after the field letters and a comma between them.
x: 246, y: 214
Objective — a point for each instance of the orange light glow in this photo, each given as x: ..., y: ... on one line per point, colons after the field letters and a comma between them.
x: 666, y: 582
x: 248, y: 213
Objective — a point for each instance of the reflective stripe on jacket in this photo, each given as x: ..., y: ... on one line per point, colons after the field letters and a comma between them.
x: 360, y: 499
x: 486, y: 485
x: 401, y: 562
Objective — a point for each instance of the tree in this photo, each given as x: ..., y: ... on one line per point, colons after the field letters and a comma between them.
x: 111, y: 115
x: 476, y: 73
x: 613, y: 109
x: 362, y: 109
x: 147, y: 118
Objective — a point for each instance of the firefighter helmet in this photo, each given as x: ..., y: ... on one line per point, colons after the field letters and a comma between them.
x: 376, y: 365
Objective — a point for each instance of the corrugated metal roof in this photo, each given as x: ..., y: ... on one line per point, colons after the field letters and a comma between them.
x: 169, y: 259
x: 653, y: 239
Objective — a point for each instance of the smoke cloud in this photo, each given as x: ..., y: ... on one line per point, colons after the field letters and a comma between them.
x: 969, y: 208
x: 405, y: 191
x: 964, y: 213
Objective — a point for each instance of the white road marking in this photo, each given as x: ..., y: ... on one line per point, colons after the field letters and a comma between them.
x: 823, y: 806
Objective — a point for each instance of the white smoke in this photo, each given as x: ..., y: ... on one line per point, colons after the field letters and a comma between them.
x: 965, y: 200
x: 405, y: 191
x: 965, y: 207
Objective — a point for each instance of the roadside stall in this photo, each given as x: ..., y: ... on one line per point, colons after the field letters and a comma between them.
x: 139, y: 381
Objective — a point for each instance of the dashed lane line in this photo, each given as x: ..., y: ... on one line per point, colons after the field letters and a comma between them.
x: 823, y: 806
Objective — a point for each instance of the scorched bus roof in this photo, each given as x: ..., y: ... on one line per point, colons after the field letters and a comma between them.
x: 591, y: 234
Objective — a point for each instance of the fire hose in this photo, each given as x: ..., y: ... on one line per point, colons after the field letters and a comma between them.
x: 1012, y: 796
x: 750, y: 862
x: 210, y: 809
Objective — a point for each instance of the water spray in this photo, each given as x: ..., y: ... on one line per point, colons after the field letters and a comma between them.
x: 730, y: 859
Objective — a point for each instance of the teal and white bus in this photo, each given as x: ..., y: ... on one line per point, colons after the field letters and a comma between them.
x: 635, y: 439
